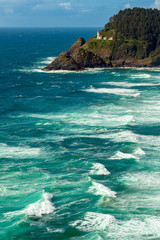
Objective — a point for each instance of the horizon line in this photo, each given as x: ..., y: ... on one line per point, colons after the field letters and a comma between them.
x: 51, y: 27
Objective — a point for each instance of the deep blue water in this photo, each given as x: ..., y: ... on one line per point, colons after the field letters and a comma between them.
x: 79, y: 152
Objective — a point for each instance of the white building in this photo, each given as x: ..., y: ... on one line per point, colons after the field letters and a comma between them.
x: 98, y: 34
x: 99, y: 37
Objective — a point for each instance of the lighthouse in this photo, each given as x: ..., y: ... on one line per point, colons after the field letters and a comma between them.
x: 98, y: 35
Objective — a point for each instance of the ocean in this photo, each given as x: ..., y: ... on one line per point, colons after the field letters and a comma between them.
x: 79, y: 151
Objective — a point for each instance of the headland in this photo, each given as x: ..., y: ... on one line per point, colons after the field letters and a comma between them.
x: 130, y: 39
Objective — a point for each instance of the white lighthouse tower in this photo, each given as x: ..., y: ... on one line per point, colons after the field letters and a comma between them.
x: 98, y: 34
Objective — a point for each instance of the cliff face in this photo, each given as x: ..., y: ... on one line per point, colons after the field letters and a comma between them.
x: 136, y: 43
x: 81, y: 56
x: 76, y: 58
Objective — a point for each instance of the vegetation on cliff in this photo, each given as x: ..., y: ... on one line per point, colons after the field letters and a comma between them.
x: 136, y: 34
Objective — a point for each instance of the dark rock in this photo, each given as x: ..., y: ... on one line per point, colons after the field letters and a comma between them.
x: 76, y: 59
x: 131, y: 62
x: 63, y: 62
x: 90, y: 60
x: 79, y: 43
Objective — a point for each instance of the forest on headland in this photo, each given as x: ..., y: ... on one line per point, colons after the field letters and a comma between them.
x: 139, y: 24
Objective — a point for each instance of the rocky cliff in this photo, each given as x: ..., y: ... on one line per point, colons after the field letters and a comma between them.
x: 76, y: 58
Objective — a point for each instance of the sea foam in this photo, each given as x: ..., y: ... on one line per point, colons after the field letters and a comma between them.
x: 142, y: 180
x: 120, y: 155
x: 140, y: 76
x: 100, y: 189
x: 123, y: 136
x: 94, y: 221
x: 116, y: 91
x: 127, y: 84
x: 47, y: 60
x: 18, y: 152
x: 41, y: 207
x: 139, y: 151
x: 140, y: 229
x: 99, y: 169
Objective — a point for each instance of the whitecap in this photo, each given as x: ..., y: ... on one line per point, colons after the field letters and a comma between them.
x: 123, y: 120
x: 57, y: 230
x: 99, y: 169
x: 40, y: 83
x: 140, y: 76
x: 139, y: 151
x: 47, y: 123
x: 127, y: 84
x: 141, y: 229
x: 90, y: 236
x: 18, y: 152
x: 123, y: 136
x: 142, y: 180
x: 47, y: 60
x: 31, y: 70
x: 116, y: 91
x: 41, y: 207
x: 104, y: 202
x: 59, y: 71
x: 93, y: 70
x: 121, y: 155
x: 100, y: 189
x: 47, y: 116
x: 7, y: 191
x: 94, y: 221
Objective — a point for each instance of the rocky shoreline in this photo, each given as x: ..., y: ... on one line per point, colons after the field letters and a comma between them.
x: 78, y: 58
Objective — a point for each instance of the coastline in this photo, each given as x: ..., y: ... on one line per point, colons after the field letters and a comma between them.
x: 98, y: 69
x: 79, y: 58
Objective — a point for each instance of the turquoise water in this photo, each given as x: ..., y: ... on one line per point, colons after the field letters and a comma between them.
x: 79, y: 152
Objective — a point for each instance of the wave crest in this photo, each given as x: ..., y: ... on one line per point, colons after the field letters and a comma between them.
x: 94, y: 221
x: 99, y: 169
x: 41, y: 207
x: 100, y: 189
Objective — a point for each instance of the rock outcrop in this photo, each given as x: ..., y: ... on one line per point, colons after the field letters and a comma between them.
x: 130, y: 62
x: 76, y: 58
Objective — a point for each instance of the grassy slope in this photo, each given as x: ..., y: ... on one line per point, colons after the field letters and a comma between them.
x: 118, y: 48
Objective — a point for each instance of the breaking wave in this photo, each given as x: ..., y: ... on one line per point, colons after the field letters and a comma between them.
x: 100, y: 189
x: 127, y: 84
x: 116, y: 91
x: 94, y: 221
x: 135, y: 229
x: 139, y: 151
x: 99, y: 169
x: 141, y: 76
x: 41, y: 207
x: 120, y: 155
x: 47, y: 60
x: 142, y: 180
x: 18, y: 152
x: 123, y: 136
